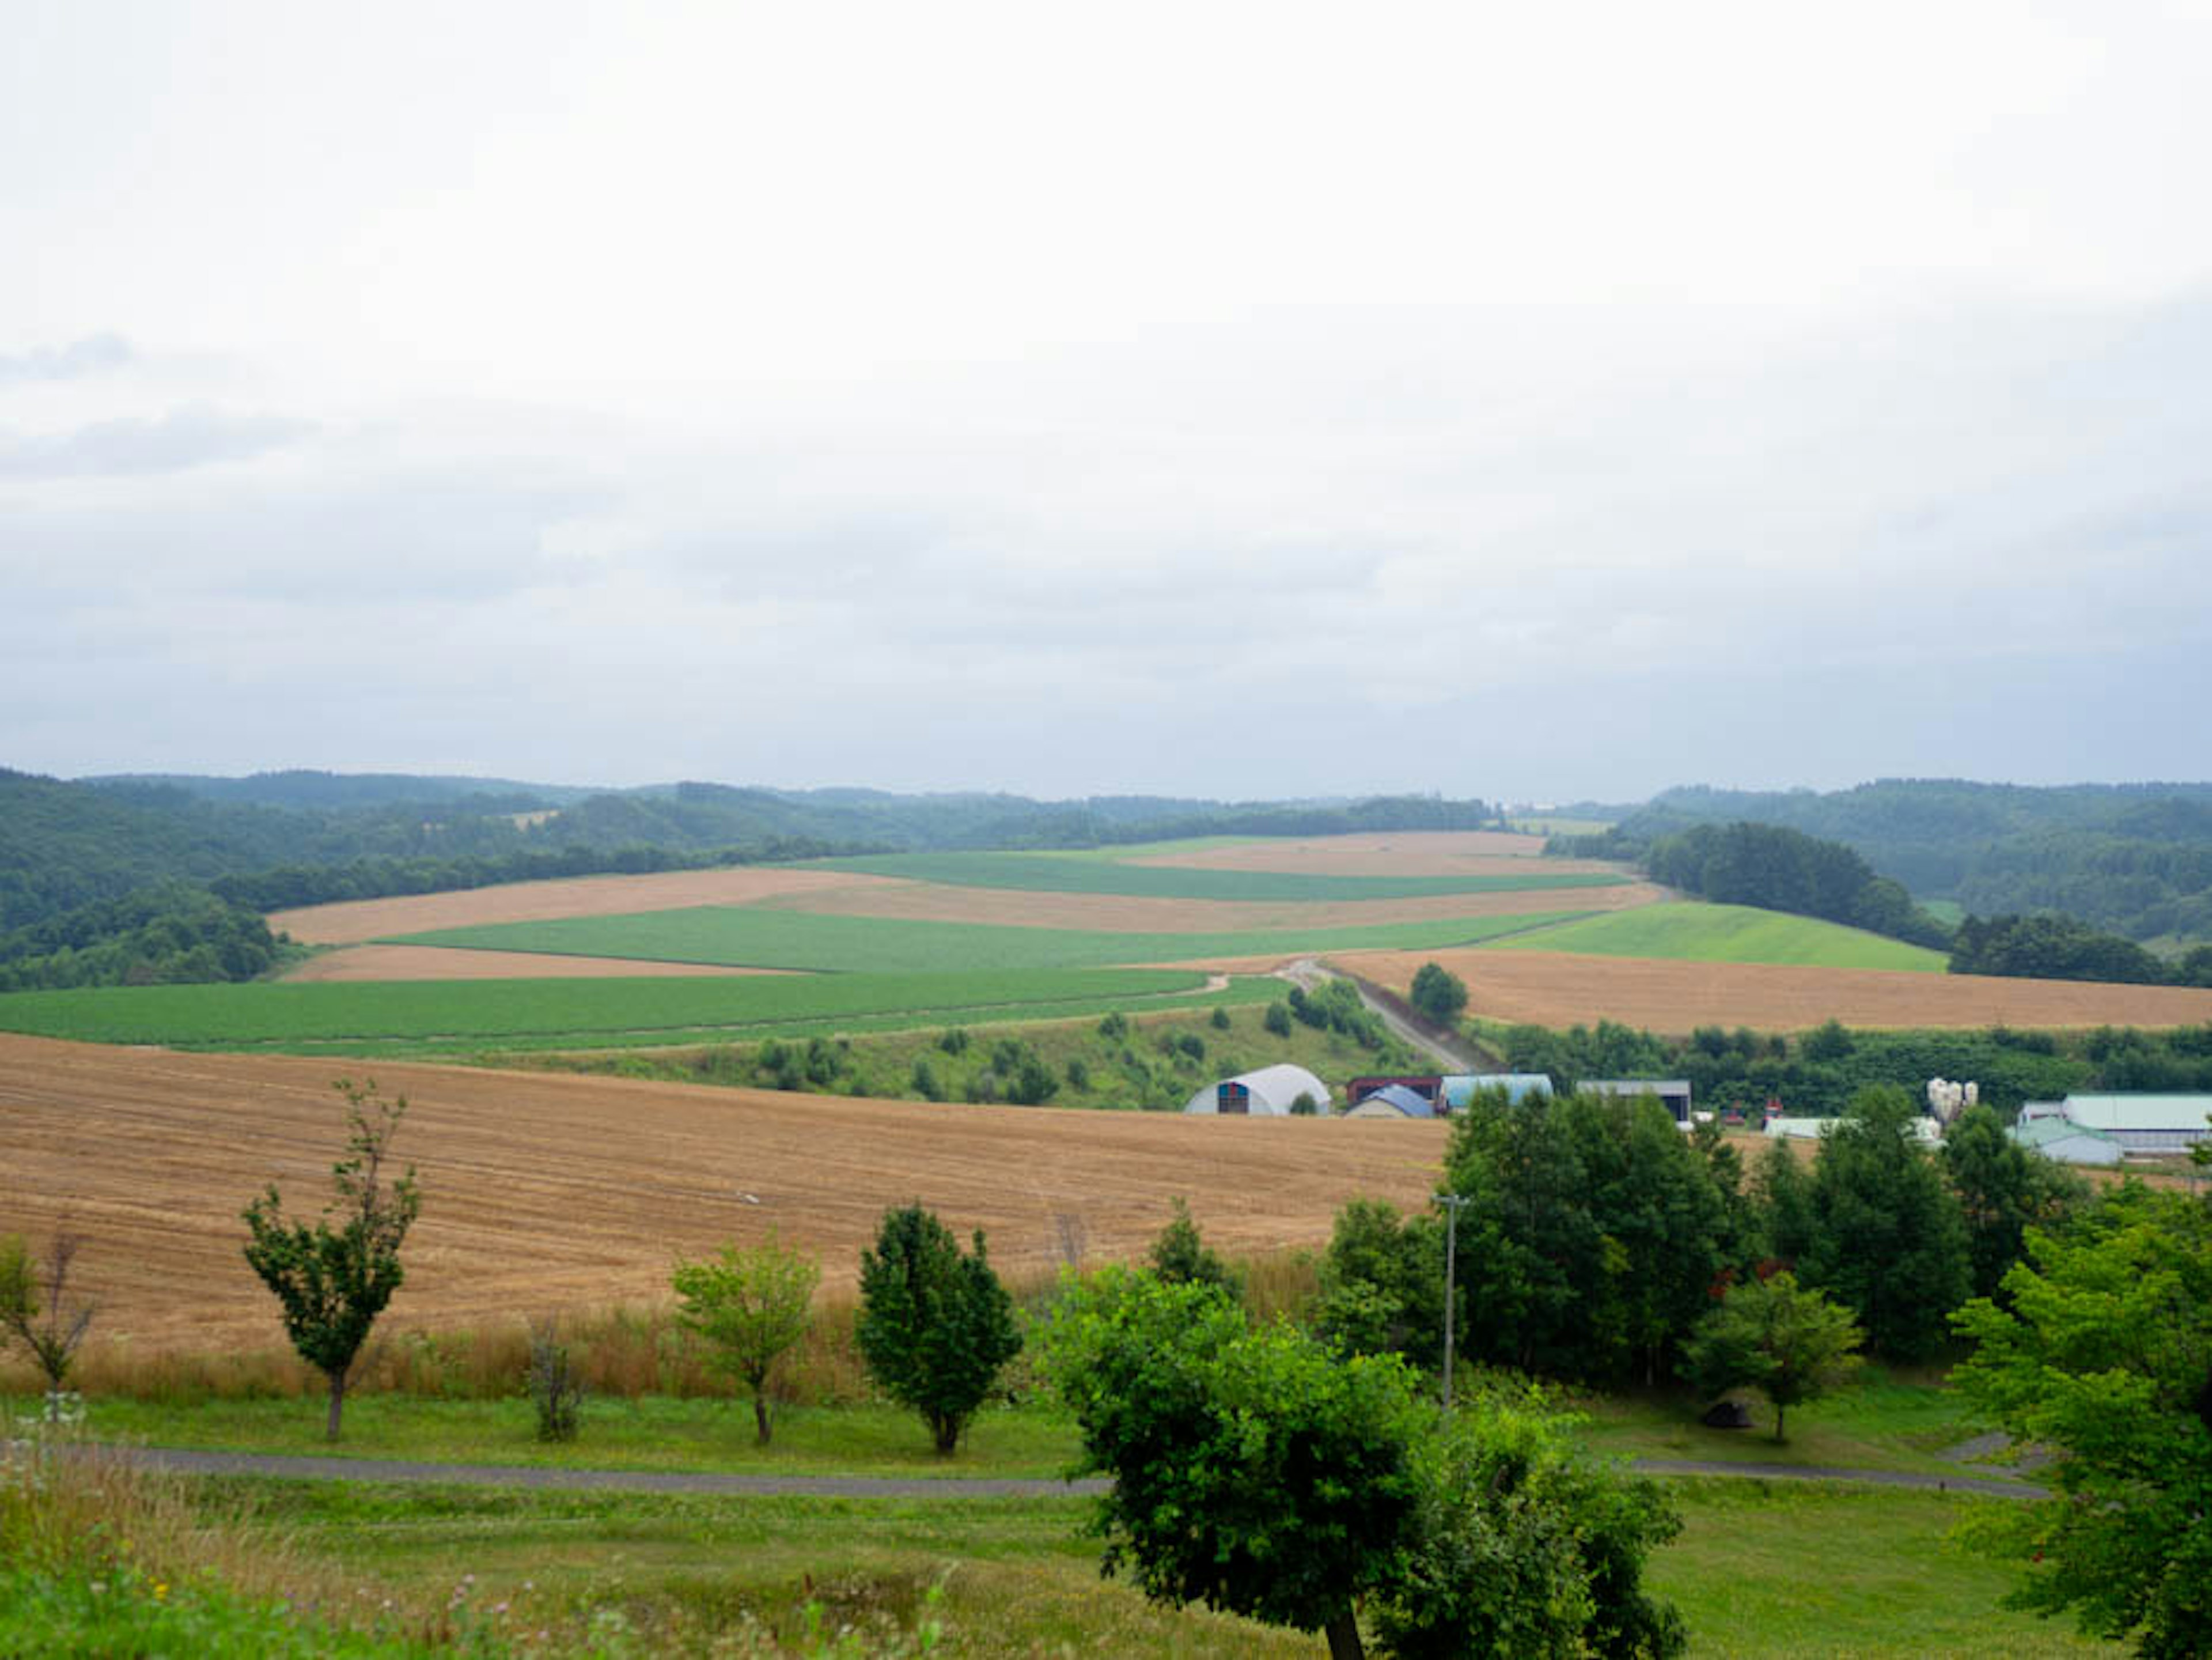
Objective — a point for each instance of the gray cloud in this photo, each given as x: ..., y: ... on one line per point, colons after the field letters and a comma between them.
x: 95, y: 354
x: 191, y: 437
x: 1965, y: 545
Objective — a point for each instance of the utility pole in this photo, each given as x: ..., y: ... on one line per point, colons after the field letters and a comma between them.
x: 1452, y: 1203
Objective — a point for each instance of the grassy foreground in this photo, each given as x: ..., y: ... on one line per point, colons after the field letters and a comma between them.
x: 1760, y: 1571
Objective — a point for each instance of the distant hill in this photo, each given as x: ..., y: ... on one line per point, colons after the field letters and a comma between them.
x: 65, y: 845
x: 2136, y: 859
x: 308, y: 791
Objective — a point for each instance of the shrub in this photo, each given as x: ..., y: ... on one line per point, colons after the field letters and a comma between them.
x: 554, y: 1383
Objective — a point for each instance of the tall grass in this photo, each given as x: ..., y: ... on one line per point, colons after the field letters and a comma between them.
x: 624, y: 1351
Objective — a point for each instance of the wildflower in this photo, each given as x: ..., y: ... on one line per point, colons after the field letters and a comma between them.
x: 160, y: 1589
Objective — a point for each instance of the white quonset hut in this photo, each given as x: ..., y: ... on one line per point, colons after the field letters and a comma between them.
x: 1266, y: 1093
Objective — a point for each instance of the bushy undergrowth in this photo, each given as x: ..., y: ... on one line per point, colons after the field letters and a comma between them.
x: 1151, y: 1062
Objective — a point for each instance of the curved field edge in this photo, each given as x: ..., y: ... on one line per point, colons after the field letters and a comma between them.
x: 477, y: 1013
x: 1560, y: 989
x: 1693, y: 931
x: 1045, y: 872
x: 752, y: 937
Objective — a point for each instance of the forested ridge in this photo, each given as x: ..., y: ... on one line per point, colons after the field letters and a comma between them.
x: 2132, y: 859
x: 163, y: 878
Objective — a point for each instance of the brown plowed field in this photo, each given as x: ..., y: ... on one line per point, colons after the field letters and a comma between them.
x: 1556, y: 989
x: 1387, y: 852
x: 353, y: 920
x: 1111, y: 913
x: 444, y: 962
x: 543, y: 1191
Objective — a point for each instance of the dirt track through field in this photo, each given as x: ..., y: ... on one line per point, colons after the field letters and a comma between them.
x: 1557, y: 989
x: 358, y: 963
x: 355, y: 920
x: 1387, y: 853
x: 543, y: 1191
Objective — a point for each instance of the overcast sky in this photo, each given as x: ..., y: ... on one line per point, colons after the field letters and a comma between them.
x: 1535, y: 402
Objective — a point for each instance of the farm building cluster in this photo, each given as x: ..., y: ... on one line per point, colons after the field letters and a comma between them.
x: 2083, y: 1129
x: 1281, y: 1091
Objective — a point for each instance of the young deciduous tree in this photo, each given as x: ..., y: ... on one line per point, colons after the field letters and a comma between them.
x: 1439, y: 993
x: 1181, y: 1257
x: 1791, y: 1345
x: 334, y: 1276
x: 38, y: 1310
x: 2104, y: 1357
x: 750, y: 1305
x: 936, y: 1327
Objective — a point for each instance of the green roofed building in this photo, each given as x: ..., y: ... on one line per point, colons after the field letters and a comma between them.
x: 2064, y: 1142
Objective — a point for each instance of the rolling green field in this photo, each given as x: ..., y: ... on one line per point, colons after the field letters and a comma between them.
x: 1695, y: 932
x: 1052, y: 872
x: 746, y: 936
x: 430, y: 1017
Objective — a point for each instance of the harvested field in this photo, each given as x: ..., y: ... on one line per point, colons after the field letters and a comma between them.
x: 1556, y: 989
x: 931, y: 901
x: 355, y: 921
x: 543, y: 1191
x: 438, y: 963
x: 1389, y: 852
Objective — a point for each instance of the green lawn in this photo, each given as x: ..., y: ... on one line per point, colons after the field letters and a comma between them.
x: 748, y: 936
x: 428, y: 1016
x: 649, y: 1432
x: 1761, y: 1570
x: 1881, y: 1424
x: 1054, y: 872
x: 1687, y: 929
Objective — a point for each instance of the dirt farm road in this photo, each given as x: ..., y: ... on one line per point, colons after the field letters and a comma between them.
x: 293, y: 1467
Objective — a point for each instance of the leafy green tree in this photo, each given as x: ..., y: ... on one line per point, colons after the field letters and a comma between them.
x: 1785, y: 1204
x: 1253, y: 1471
x: 1523, y: 1546
x: 1438, y: 994
x: 750, y: 1305
x: 1792, y: 1345
x: 2104, y: 1357
x: 1181, y: 1257
x: 38, y: 1310
x: 1277, y: 1020
x: 1591, y: 1236
x: 936, y: 1327
x: 1383, y: 1284
x: 1889, y: 1242
x: 333, y: 1280
x: 1260, y: 1473
x: 2003, y: 1189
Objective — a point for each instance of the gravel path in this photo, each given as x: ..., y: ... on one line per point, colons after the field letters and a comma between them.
x: 873, y: 1486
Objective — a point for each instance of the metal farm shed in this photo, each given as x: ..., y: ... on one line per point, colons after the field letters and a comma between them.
x: 2143, y: 1123
x: 1391, y: 1101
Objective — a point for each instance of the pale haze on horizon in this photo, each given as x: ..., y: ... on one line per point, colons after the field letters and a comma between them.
x: 1236, y: 401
